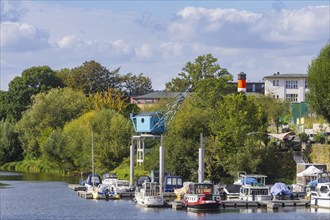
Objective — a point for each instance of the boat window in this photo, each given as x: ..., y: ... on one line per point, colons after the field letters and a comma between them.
x: 169, y: 181
x: 324, y: 189
x: 179, y: 181
x: 174, y: 181
x: 95, y: 179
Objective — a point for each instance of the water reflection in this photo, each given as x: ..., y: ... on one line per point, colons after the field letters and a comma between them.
x: 21, y: 176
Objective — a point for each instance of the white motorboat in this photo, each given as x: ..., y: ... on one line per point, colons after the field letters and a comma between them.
x: 320, y: 196
x: 149, y: 195
x: 254, y: 188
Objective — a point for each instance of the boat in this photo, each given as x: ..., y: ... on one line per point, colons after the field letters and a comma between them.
x: 120, y: 186
x: 254, y: 188
x: 201, y: 197
x: 109, y: 177
x: 232, y: 191
x: 103, y: 191
x: 320, y: 196
x: 92, y: 181
x: 172, y: 182
x: 280, y: 191
x: 148, y: 195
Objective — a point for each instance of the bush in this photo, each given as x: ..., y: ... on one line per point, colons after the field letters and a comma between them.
x: 303, y: 137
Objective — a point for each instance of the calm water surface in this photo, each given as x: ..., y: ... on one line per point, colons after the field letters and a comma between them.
x: 31, y: 196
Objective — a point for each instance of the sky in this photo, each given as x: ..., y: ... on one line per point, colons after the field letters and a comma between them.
x: 158, y: 38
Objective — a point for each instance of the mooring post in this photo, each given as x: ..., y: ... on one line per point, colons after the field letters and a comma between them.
x: 201, y: 161
x: 131, y: 163
x: 161, y: 164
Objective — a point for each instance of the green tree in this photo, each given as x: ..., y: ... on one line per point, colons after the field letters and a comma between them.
x: 4, y: 105
x: 233, y: 118
x: 112, y: 138
x: 204, y: 67
x: 33, y: 81
x: 91, y: 77
x: 10, y: 146
x: 275, y: 109
x: 318, y: 96
x: 47, y: 113
x: 54, y: 150
x: 136, y: 85
x: 182, y: 138
x: 111, y: 99
x: 77, y: 135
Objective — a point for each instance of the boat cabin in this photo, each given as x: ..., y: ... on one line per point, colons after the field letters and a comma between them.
x: 172, y: 183
x: 141, y: 180
x: 254, y: 179
x: 92, y: 180
x: 202, y: 188
x: 151, y: 188
x: 110, y: 176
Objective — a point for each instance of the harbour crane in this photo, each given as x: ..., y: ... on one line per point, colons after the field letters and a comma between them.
x: 156, y: 123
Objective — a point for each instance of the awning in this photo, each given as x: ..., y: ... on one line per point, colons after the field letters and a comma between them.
x: 310, y: 171
x: 283, y: 136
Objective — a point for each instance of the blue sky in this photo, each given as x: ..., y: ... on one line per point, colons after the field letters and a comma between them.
x: 158, y: 38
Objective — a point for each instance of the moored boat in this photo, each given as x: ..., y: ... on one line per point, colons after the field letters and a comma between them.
x: 254, y: 188
x: 201, y: 197
x: 148, y: 195
x: 92, y: 181
x: 320, y: 196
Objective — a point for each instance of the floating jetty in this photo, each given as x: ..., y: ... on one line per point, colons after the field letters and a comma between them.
x: 251, y: 204
x: 81, y: 192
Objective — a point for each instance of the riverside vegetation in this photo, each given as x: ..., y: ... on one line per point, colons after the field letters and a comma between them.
x: 48, y: 118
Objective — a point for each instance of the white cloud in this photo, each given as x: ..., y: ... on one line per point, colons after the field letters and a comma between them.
x: 159, y: 46
x: 144, y: 51
x: 68, y: 41
x: 22, y: 37
x: 11, y: 11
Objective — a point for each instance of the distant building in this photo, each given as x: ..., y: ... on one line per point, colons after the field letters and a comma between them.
x: 291, y: 87
x: 253, y: 87
x: 152, y: 97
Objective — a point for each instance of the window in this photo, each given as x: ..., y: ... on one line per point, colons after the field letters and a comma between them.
x: 275, y: 82
x: 291, y: 84
x: 306, y: 84
x: 292, y: 97
x: 253, y: 87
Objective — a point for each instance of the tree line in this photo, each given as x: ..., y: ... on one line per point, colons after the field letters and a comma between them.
x: 51, y: 116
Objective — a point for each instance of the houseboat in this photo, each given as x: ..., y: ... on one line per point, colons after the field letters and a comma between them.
x: 254, y: 188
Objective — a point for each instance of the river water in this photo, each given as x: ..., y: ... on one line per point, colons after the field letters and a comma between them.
x: 35, y: 196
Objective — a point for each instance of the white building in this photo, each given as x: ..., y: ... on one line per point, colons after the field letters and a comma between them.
x: 292, y: 87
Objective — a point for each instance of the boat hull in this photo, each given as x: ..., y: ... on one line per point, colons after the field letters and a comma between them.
x: 197, y: 202
x: 320, y: 202
x: 207, y: 206
x: 150, y: 201
x: 256, y: 198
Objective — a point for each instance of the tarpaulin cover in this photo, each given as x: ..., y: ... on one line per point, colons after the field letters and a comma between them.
x: 313, y: 183
x: 249, y: 180
x: 280, y: 188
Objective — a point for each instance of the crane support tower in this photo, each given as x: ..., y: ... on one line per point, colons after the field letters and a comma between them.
x: 157, y: 122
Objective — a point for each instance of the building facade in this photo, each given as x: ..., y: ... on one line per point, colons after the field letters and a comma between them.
x: 291, y: 87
